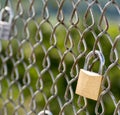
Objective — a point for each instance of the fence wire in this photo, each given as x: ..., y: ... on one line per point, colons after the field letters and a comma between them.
x: 49, y: 42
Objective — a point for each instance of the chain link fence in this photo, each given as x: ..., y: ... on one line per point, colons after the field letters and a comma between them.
x: 48, y: 45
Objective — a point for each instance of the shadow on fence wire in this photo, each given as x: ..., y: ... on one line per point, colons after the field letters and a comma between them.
x: 48, y: 45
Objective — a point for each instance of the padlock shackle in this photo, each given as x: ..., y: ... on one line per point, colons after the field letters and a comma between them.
x: 99, y: 55
x: 46, y: 112
x: 8, y: 9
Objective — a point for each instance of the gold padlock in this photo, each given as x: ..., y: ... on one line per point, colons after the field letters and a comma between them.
x: 89, y: 83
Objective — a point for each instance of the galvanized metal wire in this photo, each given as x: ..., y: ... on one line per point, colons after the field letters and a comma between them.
x: 49, y: 42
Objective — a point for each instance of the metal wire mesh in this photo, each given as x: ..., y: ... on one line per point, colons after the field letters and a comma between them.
x: 50, y: 39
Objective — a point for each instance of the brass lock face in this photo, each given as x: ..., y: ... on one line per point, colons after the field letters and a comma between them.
x: 89, y: 83
x: 5, y: 26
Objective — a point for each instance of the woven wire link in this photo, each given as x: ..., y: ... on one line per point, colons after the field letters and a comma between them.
x: 39, y: 65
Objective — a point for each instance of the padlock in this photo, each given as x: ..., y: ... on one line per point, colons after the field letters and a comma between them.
x: 89, y: 83
x: 5, y: 27
x: 45, y: 112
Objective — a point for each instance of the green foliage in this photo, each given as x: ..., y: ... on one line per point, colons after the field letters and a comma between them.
x: 48, y: 41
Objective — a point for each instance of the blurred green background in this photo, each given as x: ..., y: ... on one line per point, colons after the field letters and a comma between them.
x: 7, y: 82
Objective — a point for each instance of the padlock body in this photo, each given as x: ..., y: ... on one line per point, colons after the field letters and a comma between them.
x: 5, y: 29
x: 89, y: 84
